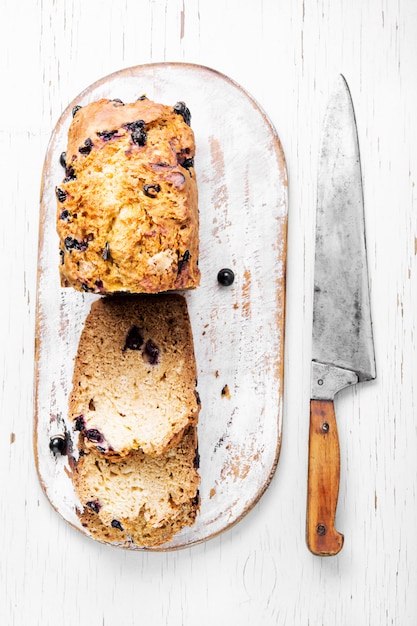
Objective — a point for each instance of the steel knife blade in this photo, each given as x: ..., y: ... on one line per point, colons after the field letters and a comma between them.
x: 342, y: 340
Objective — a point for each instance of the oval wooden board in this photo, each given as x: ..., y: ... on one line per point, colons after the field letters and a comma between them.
x: 238, y: 330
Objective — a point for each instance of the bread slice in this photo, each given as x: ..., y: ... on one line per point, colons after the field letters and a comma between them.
x: 134, y: 381
x: 141, y: 500
x: 127, y: 207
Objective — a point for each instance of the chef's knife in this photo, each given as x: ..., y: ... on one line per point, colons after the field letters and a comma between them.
x: 342, y: 347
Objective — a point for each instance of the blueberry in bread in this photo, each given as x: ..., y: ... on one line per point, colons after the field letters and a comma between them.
x: 134, y: 379
x: 140, y: 500
x: 127, y: 207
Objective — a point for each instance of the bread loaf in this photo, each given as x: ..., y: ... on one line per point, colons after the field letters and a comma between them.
x: 134, y: 380
x: 127, y: 215
x: 140, y: 500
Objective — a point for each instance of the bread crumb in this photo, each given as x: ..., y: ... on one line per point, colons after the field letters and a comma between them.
x: 226, y: 392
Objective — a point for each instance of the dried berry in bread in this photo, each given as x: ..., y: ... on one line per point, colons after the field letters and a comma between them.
x: 134, y: 381
x: 127, y: 208
x: 141, y: 500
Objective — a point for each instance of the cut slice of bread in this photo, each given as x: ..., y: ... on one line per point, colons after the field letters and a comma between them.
x: 140, y: 500
x: 134, y: 382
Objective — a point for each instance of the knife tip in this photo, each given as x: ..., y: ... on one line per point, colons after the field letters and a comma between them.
x: 342, y: 79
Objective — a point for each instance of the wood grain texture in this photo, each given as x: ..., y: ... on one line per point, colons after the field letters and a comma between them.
x: 287, y: 55
x: 323, y: 480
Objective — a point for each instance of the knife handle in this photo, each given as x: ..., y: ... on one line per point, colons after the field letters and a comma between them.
x: 323, y: 480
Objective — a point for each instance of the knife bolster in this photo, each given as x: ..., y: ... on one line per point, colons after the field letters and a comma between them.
x: 327, y: 380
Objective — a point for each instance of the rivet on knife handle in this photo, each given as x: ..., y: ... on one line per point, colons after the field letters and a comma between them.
x: 323, y: 480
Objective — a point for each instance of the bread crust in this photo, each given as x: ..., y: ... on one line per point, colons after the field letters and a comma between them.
x: 127, y: 208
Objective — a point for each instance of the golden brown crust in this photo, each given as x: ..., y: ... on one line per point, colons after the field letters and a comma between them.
x: 127, y: 215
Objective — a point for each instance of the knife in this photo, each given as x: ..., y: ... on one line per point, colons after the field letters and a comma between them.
x: 342, y: 341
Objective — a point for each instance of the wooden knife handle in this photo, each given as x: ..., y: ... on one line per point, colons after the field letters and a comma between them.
x: 323, y: 480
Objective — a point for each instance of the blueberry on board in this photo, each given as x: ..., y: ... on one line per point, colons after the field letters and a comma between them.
x: 63, y: 159
x: 58, y: 444
x: 181, y: 109
x: 226, y: 277
x: 116, y: 524
x: 76, y: 109
x: 118, y: 101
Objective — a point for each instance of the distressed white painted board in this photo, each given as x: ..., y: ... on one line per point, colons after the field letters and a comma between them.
x: 238, y: 330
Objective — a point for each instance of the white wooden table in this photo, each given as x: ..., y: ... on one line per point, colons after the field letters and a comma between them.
x: 287, y: 55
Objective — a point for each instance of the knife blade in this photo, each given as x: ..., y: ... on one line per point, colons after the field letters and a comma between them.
x: 342, y: 340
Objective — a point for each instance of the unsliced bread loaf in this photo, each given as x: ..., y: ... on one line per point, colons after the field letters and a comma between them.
x: 127, y: 215
x: 134, y: 381
x: 140, y: 500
